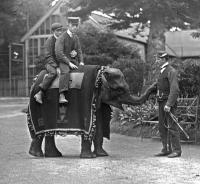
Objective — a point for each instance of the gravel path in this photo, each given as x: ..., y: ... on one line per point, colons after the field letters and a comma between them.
x: 131, y: 160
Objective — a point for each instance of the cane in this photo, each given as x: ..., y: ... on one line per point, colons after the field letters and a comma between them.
x: 175, y: 119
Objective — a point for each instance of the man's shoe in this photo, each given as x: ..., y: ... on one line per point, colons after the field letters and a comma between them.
x: 38, y: 97
x: 161, y: 154
x: 174, y: 154
x: 62, y: 99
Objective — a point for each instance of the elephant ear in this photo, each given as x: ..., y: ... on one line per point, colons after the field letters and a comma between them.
x: 115, y: 79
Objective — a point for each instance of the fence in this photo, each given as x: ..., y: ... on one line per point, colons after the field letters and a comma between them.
x: 14, y: 87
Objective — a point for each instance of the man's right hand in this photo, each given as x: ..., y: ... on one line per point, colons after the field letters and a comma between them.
x: 72, y: 66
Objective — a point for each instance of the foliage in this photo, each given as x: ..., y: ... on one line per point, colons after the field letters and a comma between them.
x: 135, y: 114
x: 103, y: 48
x: 100, y: 59
x: 132, y: 68
x: 189, y: 82
x: 162, y: 14
x: 102, y: 42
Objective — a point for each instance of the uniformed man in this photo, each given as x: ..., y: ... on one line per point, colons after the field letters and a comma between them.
x: 167, y: 94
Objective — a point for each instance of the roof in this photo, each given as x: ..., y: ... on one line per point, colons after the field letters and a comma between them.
x: 182, y: 44
x: 137, y: 31
x: 41, y: 20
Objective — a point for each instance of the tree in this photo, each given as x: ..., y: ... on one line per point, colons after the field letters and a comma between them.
x: 16, y: 17
x: 162, y: 15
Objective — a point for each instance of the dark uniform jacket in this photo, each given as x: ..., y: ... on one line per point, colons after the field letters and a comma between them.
x: 50, y: 55
x: 167, y: 86
x: 63, y: 47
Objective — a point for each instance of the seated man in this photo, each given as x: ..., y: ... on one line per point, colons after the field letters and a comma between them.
x: 51, y: 62
x: 69, y: 55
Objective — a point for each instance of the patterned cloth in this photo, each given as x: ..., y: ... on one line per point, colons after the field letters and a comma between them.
x: 77, y: 117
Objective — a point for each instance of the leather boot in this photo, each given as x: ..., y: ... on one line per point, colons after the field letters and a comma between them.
x: 86, y: 149
x: 36, y: 147
x: 174, y: 154
x: 50, y: 147
x: 38, y: 97
x: 62, y: 99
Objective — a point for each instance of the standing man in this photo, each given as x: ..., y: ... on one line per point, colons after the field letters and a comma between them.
x: 50, y: 59
x: 167, y: 94
x: 69, y: 55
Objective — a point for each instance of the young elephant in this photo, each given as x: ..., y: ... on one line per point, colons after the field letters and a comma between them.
x: 110, y: 89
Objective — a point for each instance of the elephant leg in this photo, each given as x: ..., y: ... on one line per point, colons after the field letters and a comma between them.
x: 50, y: 147
x: 98, y: 141
x: 36, y: 147
x: 86, y: 149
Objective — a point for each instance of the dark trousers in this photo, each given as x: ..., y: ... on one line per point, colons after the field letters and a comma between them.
x: 64, y: 77
x: 170, y: 137
x: 52, y: 73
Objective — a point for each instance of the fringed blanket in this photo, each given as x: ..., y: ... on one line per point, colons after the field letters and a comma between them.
x: 77, y: 117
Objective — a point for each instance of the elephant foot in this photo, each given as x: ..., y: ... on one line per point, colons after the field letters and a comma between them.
x: 87, y: 154
x: 52, y: 153
x: 100, y: 152
x: 35, y: 148
x: 50, y: 147
x: 86, y: 149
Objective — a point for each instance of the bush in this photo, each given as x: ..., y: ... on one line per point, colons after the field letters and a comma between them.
x: 133, y: 71
x: 101, y: 60
x: 135, y: 114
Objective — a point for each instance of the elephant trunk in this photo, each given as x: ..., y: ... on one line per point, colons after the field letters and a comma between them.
x: 138, y: 100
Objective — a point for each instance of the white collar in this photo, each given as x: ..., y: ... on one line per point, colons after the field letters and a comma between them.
x: 69, y: 33
x: 164, y: 65
x: 55, y: 36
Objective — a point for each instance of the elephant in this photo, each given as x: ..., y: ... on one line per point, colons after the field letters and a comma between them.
x: 111, y: 89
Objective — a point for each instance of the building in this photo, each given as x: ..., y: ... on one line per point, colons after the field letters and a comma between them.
x: 136, y: 36
x: 182, y: 44
x: 35, y: 38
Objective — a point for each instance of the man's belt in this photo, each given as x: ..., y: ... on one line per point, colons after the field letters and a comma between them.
x: 162, y: 96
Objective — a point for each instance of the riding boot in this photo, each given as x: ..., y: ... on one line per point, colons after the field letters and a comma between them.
x: 165, y: 150
x: 36, y: 147
x: 50, y: 147
x: 86, y: 149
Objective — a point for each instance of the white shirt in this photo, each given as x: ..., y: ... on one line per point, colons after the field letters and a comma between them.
x: 55, y: 36
x: 69, y: 33
x: 163, y: 67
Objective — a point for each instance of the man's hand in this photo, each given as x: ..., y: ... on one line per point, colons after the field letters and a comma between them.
x: 81, y: 63
x: 167, y: 108
x: 72, y: 66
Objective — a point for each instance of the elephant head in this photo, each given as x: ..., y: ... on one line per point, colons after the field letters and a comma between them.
x: 115, y: 90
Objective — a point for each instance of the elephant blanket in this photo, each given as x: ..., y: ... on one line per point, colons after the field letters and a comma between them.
x: 77, y: 117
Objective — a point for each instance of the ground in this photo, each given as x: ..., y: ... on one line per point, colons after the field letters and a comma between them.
x: 131, y: 159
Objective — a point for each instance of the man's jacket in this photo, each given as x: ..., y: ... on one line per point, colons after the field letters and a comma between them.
x: 168, y: 88
x: 50, y: 55
x: 63, y: 47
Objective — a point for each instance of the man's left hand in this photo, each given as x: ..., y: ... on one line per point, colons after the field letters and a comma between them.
x: 167, y: 108
x: 81, y: 63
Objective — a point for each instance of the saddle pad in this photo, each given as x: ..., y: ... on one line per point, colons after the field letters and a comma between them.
x: 75, y: 81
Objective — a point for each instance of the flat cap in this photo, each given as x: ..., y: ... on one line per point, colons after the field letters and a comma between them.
x: 56, y: 26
